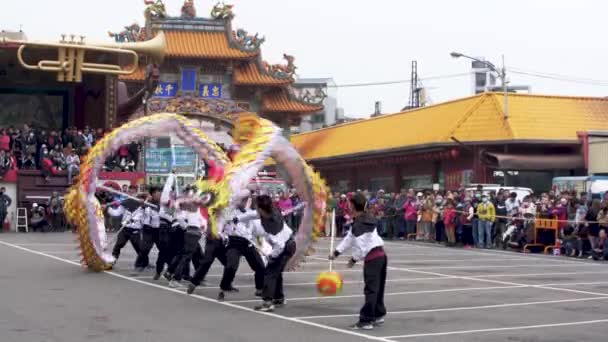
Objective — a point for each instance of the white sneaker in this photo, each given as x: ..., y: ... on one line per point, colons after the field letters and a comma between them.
x: 174, y: 284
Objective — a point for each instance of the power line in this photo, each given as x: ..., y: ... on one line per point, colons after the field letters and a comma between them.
x: 558, y: 77
x: 371, y: 84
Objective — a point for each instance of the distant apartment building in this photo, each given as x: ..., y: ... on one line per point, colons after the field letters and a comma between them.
x: 485, y: 80
x: 331, y: 113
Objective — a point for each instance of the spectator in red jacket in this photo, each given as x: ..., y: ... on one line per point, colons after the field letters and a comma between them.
x: 411, y: 207
x: 561, y: 211
x: 449, y: 219
x: 343, y: 215
x: 5, y: 141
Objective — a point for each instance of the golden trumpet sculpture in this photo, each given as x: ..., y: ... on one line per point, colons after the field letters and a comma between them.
x: 70, y: 63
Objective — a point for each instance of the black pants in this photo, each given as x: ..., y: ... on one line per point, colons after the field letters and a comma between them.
x: 38, y: 225
x: 124, y: 236
x: 56, y: 222
x: 214, y: 249
x: 2, y: 218
x: 374, y: 275
x: 391, y: 227
x: 190, y: 249
x: 467, y: 235
x: 149, y: 238
x: 237, y: 247
x: 273, y: 275
x: 166, y: 248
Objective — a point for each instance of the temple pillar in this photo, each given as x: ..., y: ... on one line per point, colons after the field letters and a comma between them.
x: 111, y: 95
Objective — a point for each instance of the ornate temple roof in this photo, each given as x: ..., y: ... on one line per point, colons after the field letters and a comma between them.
x: 282, y: 101
x: 253, y: 73
x: 203, y: 44
x: 191, y: 37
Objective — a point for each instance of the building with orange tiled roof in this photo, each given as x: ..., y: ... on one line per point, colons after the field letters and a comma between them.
x: 217, y: 68
x: 459, y: 142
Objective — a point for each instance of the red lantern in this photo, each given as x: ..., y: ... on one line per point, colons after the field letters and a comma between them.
x: 454, y: 153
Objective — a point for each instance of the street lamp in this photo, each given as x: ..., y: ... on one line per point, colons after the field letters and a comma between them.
x: 501, y: 73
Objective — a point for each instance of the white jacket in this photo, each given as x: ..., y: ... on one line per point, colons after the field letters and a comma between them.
x: 362, y: 238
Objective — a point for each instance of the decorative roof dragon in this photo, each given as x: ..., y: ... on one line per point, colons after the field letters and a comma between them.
x: 315, y: 97
x: 281, y: 70
x: 247, y: 41
x: 132, y: 33
x: 188, y: 9
x: 155, y: 9
x: 222, y: 11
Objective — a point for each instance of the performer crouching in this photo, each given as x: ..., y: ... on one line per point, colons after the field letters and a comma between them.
x: 280, y: 237
x: 150, y: 232
x: 367, y: 245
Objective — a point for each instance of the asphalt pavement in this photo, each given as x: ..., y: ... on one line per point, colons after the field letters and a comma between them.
x: 433, y: 294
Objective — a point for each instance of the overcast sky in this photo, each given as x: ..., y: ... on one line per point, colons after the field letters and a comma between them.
x: 356, y: 41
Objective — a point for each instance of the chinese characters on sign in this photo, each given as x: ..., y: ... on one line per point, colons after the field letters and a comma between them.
x: 163, y: 160
x: 210, y: 90
x: 166, y: 89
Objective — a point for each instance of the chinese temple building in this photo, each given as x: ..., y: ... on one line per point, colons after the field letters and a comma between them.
x: 212, y: 71
x: 456, y: 143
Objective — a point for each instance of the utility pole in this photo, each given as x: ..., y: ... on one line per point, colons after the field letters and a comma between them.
x: 503, y: 77
x: 502, y: 74
x: 414, y: 91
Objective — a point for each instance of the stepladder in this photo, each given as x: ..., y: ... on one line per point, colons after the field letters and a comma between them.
x: 22, y: 220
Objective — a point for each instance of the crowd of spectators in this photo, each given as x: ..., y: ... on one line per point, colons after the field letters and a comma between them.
x: 475, y: 219
x: 53, y: 151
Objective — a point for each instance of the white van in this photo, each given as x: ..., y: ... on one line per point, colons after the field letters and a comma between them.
x: 487, y: 188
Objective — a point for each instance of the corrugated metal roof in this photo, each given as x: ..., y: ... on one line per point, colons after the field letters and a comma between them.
x: 473, y: 119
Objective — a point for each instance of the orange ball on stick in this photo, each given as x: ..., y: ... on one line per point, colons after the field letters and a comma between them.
x: 329, y: 283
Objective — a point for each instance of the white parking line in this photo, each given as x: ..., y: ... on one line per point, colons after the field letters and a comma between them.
x: 414, y: 261
x: 234, y: 306
x: 487, y: 252
x: 47, y: 244
x: 461, y: 289
x: 441, y: 278
x: 398, y: 280
x: 522, y: 327
x: 462, y: 308
x: 497, y: 281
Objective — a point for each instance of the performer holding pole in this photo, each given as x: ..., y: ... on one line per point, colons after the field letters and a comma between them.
x: 241, y: 242
x: 150, y: 232
x: 366, y: 245
x: 131, y: 227
x: 332, y: 238
x: 166, y: 233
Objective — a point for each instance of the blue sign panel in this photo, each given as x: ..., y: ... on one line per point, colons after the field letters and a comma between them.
x: 210, y: 90
x: 166, y: 89
x: 164, y: 160
x: 188, y: 79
